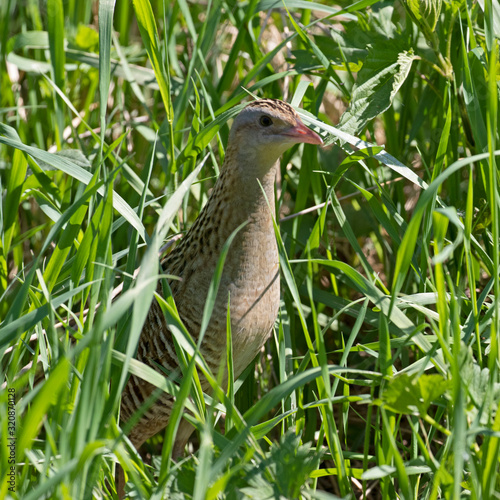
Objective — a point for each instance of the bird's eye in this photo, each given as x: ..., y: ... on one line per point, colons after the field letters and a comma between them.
x: 265, y: 121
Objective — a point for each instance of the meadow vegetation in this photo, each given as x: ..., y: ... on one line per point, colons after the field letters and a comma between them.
x: 381, y: 379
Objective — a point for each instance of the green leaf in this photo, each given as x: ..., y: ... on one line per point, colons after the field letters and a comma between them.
x: 378, y: 472
x: 412, y: 235
x: 47, y: 396
x: 289, y: 464
x: 384, y: 71
x: 382, y: 156
x: 106, y: 8
x: 383, y: 301
x: 149, y: 34
x: 87, y: 38
x: 273, y: 398
x: 69, y: 167
x: 425, y: 13
x: 200, y: 141
x: 55, y: 17
x: 411, y: 394
x: 477, y: 381
x: 11, y: 329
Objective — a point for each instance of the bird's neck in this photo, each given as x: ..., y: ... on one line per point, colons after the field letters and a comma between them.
x: 241, y: 194
x: 247, y: 191
x: 247, y: 176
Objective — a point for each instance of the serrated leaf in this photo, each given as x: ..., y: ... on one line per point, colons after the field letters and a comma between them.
x: 399, y: 396
x: 410, y: 394
x: 289, y: 463
x: 478, y: 385
x: 382, y: 75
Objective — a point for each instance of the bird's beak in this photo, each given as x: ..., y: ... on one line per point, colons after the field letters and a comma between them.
x: 300, y: 133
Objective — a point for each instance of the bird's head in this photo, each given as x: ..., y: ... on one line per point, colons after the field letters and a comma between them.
x: 266, y: 128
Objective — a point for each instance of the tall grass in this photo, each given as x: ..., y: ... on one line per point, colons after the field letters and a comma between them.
x: 381, y: 379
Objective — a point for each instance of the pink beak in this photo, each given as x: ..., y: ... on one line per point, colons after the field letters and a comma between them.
x: 301, y: 133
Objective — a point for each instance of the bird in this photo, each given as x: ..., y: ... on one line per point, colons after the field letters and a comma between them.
x: 243, y: 193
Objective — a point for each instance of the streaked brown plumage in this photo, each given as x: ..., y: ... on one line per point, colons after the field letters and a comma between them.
x: 260, y: 134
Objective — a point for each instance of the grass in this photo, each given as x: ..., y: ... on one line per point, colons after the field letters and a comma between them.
x: 381, y: 379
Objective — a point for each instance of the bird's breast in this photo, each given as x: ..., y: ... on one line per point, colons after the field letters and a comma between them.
x: 249, y: 283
